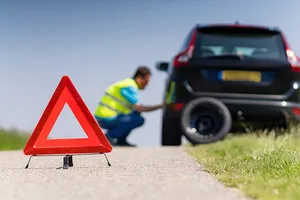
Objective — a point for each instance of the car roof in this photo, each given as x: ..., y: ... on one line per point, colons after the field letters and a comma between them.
x: 237, y: 25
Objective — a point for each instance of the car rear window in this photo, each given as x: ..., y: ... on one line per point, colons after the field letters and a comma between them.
x: 250, y: 43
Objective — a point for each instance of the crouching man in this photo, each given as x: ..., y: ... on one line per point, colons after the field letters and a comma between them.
x: 119, y: 111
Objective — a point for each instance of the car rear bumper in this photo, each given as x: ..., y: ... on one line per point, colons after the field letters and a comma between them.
x: 250, y: 110
x: 262, y: 111
x: 293, y: 94
x: 256, y: 108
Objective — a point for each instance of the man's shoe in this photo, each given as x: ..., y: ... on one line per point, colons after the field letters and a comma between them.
x: 124, y: 143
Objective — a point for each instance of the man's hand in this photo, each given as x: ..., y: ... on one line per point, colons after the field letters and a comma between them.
x: 138, y: 107
x: 141, y: 108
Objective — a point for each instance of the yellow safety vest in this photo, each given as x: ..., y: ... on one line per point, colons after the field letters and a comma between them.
x: 113, y: 102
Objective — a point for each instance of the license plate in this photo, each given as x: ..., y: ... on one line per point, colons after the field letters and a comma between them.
x: 232, y: 75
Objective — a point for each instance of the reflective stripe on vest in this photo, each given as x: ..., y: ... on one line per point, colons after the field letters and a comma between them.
x: 107, y: 106
x: 117, y: 100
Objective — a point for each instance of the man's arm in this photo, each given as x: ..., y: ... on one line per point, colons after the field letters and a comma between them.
x: 131, y: 94
x: 142, y: 108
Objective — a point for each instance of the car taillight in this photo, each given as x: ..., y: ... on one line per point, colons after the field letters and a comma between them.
x: 293, y: 60
x: 177, y: 106
x: 183, y: 57
x: 296, y: 111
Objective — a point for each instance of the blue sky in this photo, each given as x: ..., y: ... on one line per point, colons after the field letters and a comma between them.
x: 97, y: 43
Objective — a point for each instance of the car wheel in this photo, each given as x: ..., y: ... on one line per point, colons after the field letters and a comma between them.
x: 171, y: 133
x: 205, y: 120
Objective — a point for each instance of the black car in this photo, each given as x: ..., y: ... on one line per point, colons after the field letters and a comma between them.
x: 250, y: 69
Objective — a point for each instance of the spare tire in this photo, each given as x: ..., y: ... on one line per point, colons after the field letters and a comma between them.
x: 205, y: 120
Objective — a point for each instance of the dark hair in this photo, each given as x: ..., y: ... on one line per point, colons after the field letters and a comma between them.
x: 142, y: 71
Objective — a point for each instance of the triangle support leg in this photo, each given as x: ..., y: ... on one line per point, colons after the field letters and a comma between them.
x: 107, y: 160
x: 67, y: 162
x: 70, y: 157
x: 26, y: 167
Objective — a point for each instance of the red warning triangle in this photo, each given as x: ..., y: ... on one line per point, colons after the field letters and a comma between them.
x: 38, y: 144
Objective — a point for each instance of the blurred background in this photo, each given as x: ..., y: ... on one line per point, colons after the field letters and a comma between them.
x: 97, y: 43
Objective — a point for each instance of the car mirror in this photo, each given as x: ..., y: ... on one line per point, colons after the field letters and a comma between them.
x: 162, y: 66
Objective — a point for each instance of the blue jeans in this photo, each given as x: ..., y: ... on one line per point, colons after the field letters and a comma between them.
x: 121, y: 127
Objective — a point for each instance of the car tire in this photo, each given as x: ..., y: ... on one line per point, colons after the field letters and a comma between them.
x: 171, y: 132
x: 216, y: 114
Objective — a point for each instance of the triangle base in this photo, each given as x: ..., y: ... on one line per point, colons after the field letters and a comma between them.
x: 67, y: 150
x: 68, y: 146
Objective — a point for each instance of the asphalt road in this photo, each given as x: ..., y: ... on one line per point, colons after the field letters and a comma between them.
x: 143, y: 173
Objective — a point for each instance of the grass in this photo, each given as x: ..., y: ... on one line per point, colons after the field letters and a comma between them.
x: 262, y: 166
x: 12, y: 139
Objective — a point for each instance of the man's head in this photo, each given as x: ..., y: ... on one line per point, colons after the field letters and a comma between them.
x: 142, y: 76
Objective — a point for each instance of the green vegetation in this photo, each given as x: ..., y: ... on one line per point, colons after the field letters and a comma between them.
x: 262, y: 166
x: 12, y: 139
